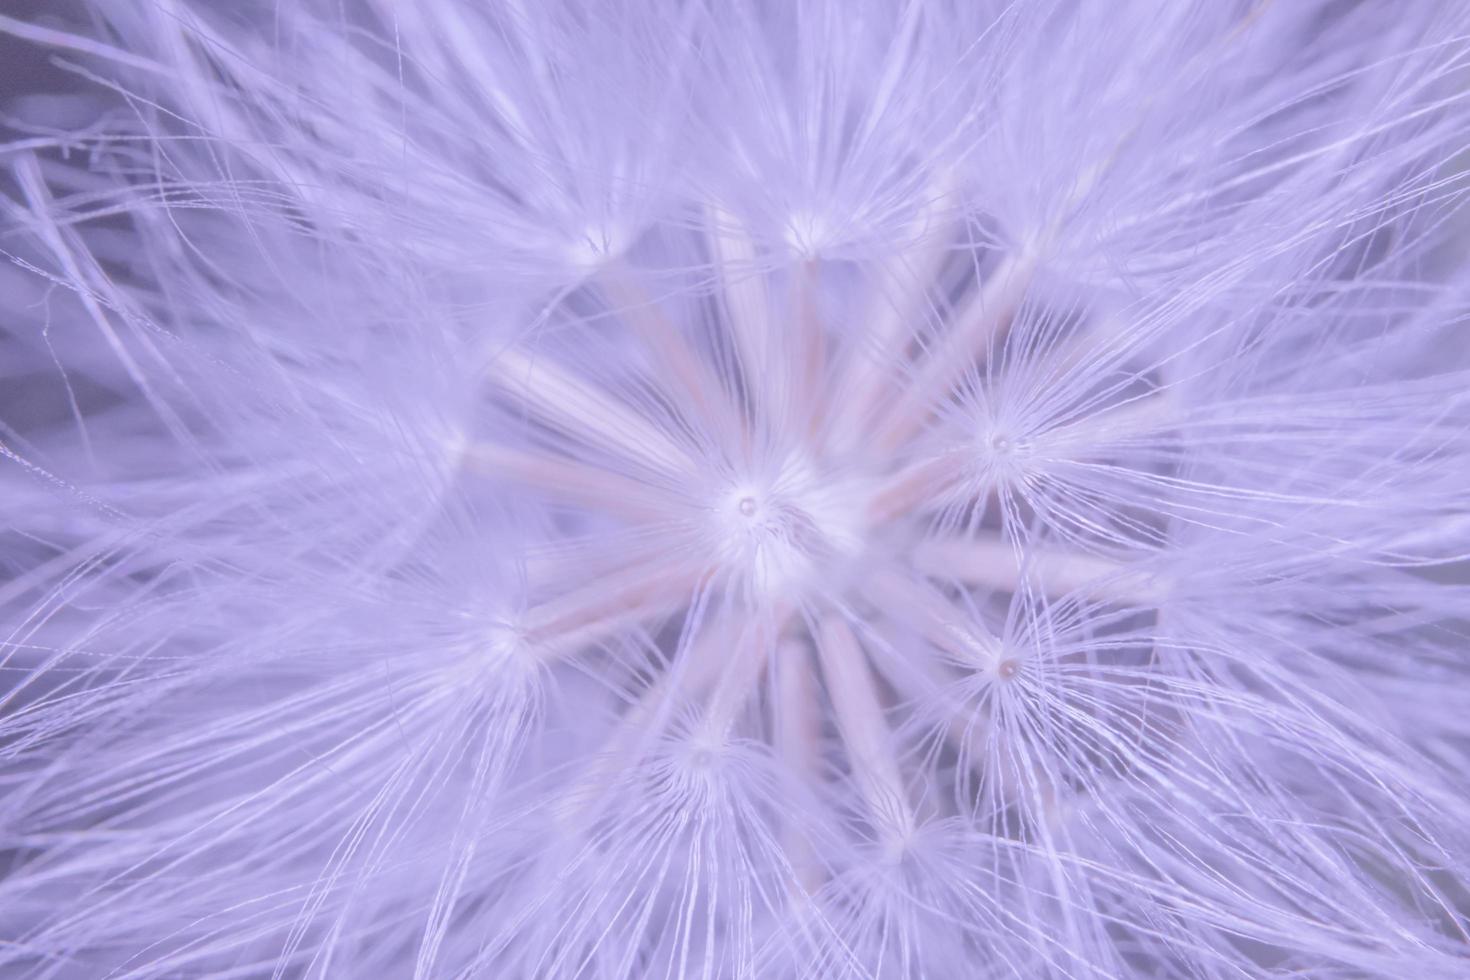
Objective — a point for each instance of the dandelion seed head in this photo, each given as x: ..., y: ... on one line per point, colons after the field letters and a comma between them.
x: 833, y: 489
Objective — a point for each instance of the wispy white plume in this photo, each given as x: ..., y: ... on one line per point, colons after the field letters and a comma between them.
x: 592, y: 489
